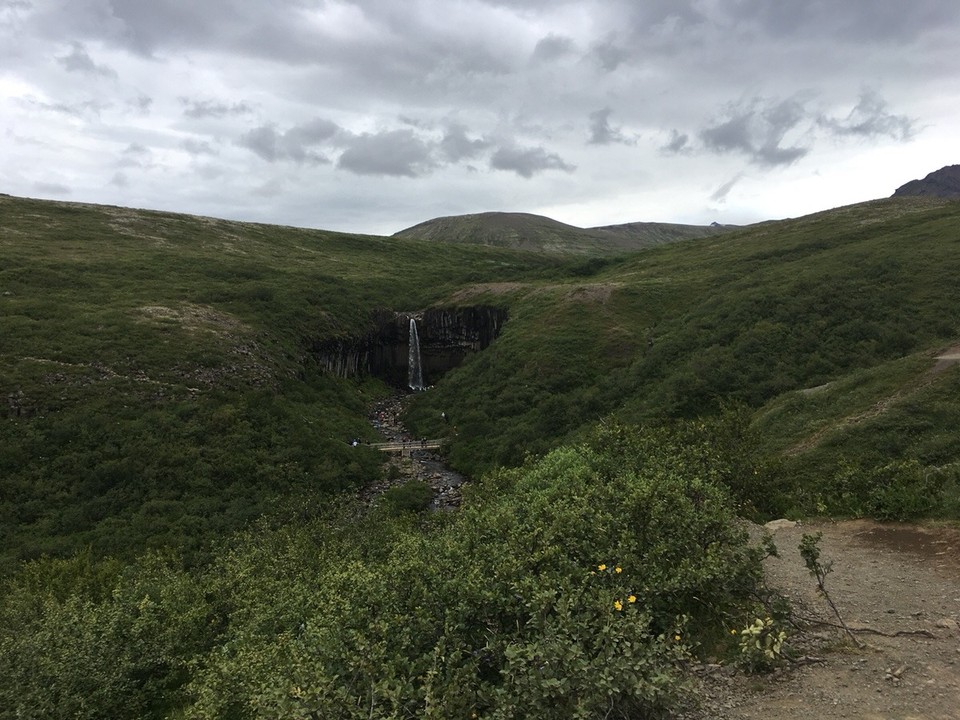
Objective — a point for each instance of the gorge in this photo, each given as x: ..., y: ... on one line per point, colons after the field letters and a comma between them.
x: 446, y: 336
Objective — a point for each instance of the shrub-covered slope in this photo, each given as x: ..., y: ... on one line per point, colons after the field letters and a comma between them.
x: 155, y: 368
x: 160, y: 393
x: 158, y: 383
x: 681, y: 330
x: 577, y: 586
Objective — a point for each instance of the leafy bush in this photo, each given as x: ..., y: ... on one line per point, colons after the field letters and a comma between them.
x: 900, y: 490
x: 412, y: 496
x: 117, y: 648
x: 570, y: 587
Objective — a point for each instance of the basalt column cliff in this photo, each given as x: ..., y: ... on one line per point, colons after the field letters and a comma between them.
x: 446, y: 336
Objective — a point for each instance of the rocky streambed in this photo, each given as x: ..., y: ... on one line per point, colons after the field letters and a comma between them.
x: 423, y: 465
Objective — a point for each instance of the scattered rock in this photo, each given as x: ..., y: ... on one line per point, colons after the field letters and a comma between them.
x: 780, y: 524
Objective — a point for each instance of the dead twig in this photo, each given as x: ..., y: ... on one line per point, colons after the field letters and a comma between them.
x: 871, y: 631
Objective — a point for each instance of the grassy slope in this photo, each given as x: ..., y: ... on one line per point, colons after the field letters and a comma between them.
x: 747, y: 317
x: 164, y: 388
x: 155, y: 373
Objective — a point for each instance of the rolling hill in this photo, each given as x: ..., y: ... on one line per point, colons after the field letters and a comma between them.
x: 524, y: 231
x: 179, y: 527
x: 140, y: 349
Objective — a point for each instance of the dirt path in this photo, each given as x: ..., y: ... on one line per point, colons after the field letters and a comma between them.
x: 886, y: 579
x: 944, y: 359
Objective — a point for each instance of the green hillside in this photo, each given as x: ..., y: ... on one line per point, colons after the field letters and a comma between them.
x: 159, y: 381
x: 751, y: 318
x: 156, y: 373
x: 180, y: 534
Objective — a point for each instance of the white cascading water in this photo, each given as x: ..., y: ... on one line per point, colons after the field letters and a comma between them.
x: 414, y: 368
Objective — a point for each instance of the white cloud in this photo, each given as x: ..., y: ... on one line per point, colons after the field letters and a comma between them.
x: 370, y: 115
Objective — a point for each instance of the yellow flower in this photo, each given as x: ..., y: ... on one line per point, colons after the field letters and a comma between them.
x: 618, y: 570
x: 733, y: 631
x: 601, y: 568
x: 676, y: 638
x: 632, y: 599
x: 617, y: 605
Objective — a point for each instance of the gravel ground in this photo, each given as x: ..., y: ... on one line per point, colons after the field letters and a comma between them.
x: 898, y: 588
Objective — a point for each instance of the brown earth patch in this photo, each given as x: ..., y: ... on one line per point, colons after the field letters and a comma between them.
x: 474, y: 291
x: 898, y: 588
x: 195, y: 318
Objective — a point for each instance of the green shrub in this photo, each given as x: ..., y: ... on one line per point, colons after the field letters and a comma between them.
x: 572, y: 587
x: 901, y: 490
x: 120, y: 650
x: 412, y: 496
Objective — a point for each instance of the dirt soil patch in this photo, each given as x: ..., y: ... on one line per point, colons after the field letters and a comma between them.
x: 898, y: 588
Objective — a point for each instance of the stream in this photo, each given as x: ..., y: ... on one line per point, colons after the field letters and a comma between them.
x: 424, y: 465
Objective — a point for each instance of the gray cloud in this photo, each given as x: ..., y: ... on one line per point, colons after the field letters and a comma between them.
x: 678, y: 143
x: 311, y: 132
x: 525, y: 86
x: 757, y: 129
x: 851, y: 20
x: 609, y: 54
x: 135, y: 155
x: 146, y: 26
x: 528, y: 161
x: 79, y: 61
x: 456, y: 146
x: 77, y: 109
x: 553, y: 47
x: 294, y: 144
x: 393, y: 152
x: 198, y: 147
x: 141, y: 103
x: 212, y: 108
x: 602, y: 133
x: 870, y: 118
x: 720, y: 194
x: 271, y: 189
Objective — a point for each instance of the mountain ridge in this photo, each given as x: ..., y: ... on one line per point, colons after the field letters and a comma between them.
x: 539, y: 233
x: 943, y: 183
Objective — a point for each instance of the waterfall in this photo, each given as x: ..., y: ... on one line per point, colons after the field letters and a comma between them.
x: 414, y: 367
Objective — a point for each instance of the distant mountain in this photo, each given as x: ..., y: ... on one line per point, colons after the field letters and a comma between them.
x: 525, y: 231
x: 944, y: 183
x: 654, y: 233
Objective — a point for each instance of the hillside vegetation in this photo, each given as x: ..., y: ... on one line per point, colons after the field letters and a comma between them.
x: 524, y: 231
x: 751, y: 318
x: 180, y: 537
x: 156, y: 373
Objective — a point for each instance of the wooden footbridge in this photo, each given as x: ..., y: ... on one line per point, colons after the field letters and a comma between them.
x: 405, y: 447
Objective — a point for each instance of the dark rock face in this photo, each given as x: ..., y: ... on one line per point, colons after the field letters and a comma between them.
x: 944, y: 183
x: 447, y: 335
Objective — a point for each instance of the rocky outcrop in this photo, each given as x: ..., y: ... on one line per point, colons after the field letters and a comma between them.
x: 944, y: 183
x: 447, y: 336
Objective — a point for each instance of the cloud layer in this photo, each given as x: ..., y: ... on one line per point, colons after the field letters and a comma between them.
x: 370, y: 115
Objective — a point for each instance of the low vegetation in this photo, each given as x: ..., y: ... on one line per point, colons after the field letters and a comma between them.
x: 804, y: 323
x: 179, y: 535
x: 576, y: 586
x: 156, y: 372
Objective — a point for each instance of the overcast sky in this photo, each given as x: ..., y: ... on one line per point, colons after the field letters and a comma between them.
x: 373, y: 115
